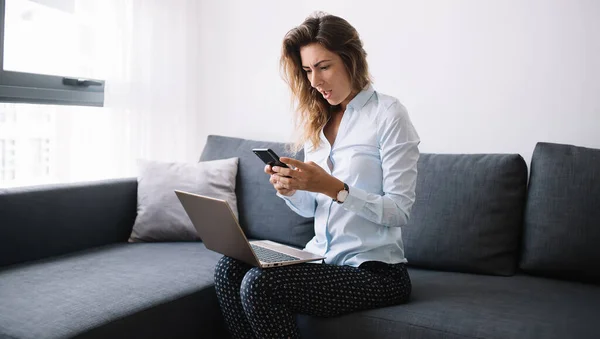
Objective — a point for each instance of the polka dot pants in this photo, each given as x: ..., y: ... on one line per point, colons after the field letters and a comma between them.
x: 262, y: 303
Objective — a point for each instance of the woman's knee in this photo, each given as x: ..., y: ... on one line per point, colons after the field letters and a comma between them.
x: 228, y: 269
x: 255, y: 283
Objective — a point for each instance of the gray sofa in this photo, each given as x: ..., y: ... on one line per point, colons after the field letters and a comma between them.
x: 491, y: 253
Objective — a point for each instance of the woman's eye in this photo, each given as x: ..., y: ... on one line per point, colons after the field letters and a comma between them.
x: 324, y: 68
x: 307, y: 71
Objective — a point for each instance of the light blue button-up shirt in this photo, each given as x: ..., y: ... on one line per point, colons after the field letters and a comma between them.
x: 375, y: 153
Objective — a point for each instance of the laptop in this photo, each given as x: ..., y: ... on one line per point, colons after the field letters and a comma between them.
x: 220, y: 232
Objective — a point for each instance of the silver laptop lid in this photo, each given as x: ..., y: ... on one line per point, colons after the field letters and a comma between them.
x: 217, y: 226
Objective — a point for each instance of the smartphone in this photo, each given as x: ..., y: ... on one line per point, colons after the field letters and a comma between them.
x: 268, y: 157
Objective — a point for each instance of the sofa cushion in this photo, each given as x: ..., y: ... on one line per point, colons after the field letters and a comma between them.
x: 468, y: 213
x: 42, y: 221
x: 447, y: 305
x: 262, y: 214
x: 152, y: 290
x: 160, y: 215
x: 562, y: 220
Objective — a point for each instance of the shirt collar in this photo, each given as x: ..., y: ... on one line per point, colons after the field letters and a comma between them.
x: 361, y: 98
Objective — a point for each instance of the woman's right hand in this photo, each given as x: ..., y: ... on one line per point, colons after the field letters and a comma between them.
x: 274, y: 180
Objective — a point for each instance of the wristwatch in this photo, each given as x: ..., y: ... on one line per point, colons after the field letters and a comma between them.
x: 342, y: 195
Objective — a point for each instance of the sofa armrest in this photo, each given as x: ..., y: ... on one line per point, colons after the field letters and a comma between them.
x: 42, y: 221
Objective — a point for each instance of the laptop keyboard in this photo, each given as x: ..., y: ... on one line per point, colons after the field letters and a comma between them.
x: 267, y: 255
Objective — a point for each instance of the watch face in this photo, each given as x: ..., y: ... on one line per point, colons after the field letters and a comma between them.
x: 342, y: 195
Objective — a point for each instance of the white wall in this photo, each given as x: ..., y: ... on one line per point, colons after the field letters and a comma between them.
x: 476, y: 76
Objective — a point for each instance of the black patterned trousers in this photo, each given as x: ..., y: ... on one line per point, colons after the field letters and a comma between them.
x: 263, y: 303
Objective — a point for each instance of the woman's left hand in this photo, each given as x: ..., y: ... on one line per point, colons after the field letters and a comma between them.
x: 307, y: 176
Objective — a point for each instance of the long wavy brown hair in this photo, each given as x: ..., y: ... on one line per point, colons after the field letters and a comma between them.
x: 338, y: 36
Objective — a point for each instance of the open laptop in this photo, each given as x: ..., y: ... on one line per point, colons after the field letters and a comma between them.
x: 220, y: 231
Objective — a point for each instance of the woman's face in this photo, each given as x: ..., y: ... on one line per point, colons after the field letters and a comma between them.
x: 326, y: 72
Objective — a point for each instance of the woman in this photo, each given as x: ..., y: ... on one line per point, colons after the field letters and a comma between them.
x: 358, y: 183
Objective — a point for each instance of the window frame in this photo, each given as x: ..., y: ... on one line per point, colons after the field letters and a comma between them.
x: 33, y: 88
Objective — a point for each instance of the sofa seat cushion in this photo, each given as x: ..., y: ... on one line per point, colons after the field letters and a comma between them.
x: 459, y: 305
x: 127, y: 290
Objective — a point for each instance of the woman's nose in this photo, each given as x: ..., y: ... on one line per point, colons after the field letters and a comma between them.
x: 315, y: 80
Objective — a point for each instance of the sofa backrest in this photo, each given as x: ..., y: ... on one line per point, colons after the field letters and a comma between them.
x: 42, y: 221
x: 562, y: 219
x: 468, y: 213
x: 262, y: 214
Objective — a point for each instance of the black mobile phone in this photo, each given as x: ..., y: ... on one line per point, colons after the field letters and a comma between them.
x: 268, y: 157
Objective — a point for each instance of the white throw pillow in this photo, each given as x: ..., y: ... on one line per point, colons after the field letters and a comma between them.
x: 160, y: 215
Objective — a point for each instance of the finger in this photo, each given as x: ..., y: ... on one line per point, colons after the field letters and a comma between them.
x: 280, y: 186
x: 268, y: 169
x: 291, y: 161
x: 286, y: 172
x: 286, y: 182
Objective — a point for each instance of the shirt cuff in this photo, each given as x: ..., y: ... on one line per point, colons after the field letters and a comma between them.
x: 356, y: 199
x: 285, y: 197
x: 295, y: 199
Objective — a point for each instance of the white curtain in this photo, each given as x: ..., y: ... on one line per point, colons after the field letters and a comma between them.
x: 148, y: 53
x: 152, y: 89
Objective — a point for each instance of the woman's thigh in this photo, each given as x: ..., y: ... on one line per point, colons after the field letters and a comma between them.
x: 329, y: 290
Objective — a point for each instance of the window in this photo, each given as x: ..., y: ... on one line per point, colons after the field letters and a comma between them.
x: 147, y: 54
x: 7, y: 160
x: 50, y: 52
x: 42, y: 144
x: 27, y: 144
x: 50, y: 131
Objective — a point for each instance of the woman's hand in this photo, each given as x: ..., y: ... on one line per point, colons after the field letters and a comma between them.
x: 306, y: 176
x: 275, y: 180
